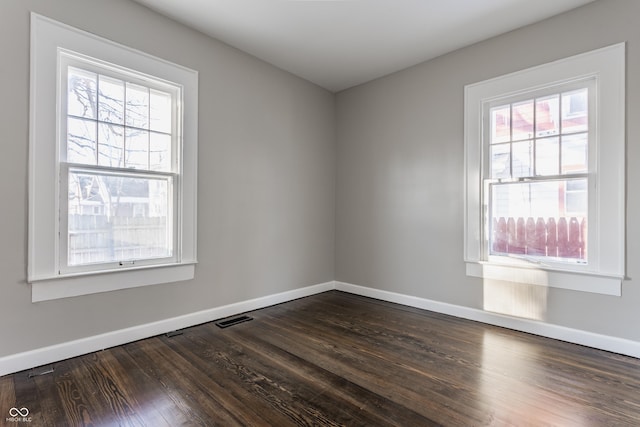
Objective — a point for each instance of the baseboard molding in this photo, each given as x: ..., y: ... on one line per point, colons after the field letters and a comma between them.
x: 575, y: 336
x: 46, y: 355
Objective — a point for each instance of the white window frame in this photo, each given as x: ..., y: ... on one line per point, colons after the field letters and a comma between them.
x: 48, y: 280
x: 605, y: 270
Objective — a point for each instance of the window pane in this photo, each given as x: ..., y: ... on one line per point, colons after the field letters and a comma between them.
x: 137, y: 108
x: 576, y: 196
x: 111, y: 145
x: 118, y: 218
x: 500, y: 124
x: 541, y: 219
x: 574, y: 153
x: 137, y: 149
x: 160, y: 108
x: 81, y: 141
x: 160, y: 152
x: 547, y: 114
x: 81, y: 96
x: 522, y: 159
x: 522, y: 120
x: 575, y: 111
x: 579, y: 184
x: 526, y: 199
x: 500, y: 161
x: 547, y: 156
x: 111, y: 105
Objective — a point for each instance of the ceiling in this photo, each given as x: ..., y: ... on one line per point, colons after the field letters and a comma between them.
x: 338, y: 44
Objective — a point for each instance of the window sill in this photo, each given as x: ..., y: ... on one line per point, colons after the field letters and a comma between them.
x: 50, y: 288
x: 584, y: 282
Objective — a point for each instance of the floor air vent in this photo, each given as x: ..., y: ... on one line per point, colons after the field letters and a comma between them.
x: 42, y: 370
x: 233, y: 321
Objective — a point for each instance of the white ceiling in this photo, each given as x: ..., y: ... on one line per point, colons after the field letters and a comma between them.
x: 342, y: 43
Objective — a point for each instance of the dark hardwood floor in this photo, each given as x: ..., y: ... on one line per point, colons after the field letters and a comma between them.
x: 335, y: 359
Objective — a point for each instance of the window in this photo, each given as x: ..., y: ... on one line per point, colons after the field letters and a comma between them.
x: 112, y: 166
x: 538, y: 173
x: 545, y: 174
x: 118, y: 144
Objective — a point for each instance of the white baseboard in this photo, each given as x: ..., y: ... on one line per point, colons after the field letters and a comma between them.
x: 42, y: 356
x: 45, y: 355
x: 576, y: 336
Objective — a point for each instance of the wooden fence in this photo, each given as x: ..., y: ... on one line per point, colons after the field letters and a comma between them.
x: 97, y: 238
x: 565, y: 237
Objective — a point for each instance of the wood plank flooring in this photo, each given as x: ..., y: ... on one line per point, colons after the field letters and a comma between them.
x: 335, y: 359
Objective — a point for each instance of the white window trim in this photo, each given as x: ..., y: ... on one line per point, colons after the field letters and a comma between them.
x: 605, y: 275
x: 47, y: 37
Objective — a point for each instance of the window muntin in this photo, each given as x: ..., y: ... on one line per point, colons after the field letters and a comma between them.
x: 118, y: 167
x: 537, y: 177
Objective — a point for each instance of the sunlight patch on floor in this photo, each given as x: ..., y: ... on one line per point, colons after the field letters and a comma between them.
x: 515, y: 299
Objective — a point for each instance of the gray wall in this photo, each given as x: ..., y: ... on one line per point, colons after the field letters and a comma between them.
x: 266, y: 178
x: 400, y: 174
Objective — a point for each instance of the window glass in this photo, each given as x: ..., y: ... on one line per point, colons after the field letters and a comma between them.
x: 575, y: 113
x: 547, y: 156
x: 543, y: 217
x: 82, y: 96
x: 574, y: 153
x: 114, y: 218
x: 522, y: 159
x: 114, y: 124
x: 111, y: 100
x: 111, y: 145
x: 81, y: 141
x: 547, y: 116
x: 522, y: 120
x: 501, y: 124
x: 160, y: 111
x: 500, y: 161
x: 159, y: 151
x: 137, y: 106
